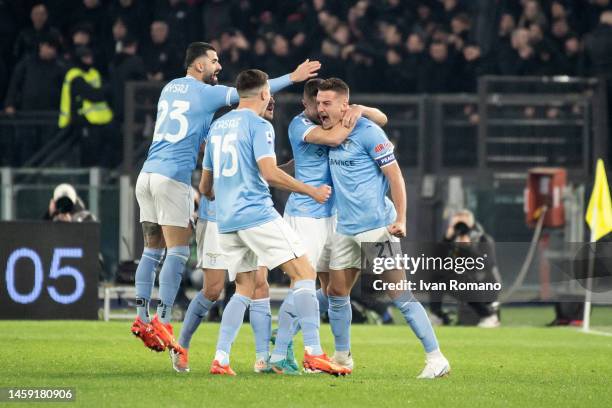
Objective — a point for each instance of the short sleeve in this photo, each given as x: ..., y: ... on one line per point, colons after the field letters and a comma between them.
x: 263, y: 140
x: 218, y: 96
x: 299, y: 127
x: 378, y: 146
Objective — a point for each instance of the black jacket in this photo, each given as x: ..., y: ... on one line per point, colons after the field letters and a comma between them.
x: 36, y: 84
x: 124, y: 68
x: 598, y: 48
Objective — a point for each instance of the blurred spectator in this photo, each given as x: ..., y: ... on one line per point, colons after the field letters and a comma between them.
x: 80, y: 37
x: 29, y: 37
x: 532, y: 14
x: 216, y: 17
x: 126, y: 66
x: 135, y: 15
x: 180, y: 19
x: 260, y: 56
x: 414, y: 66
x: 37, y: 80
x: 438, y: 74
x: 281, y: 58
x: 35, y: 86
x: 572, y: 62
x: 115, y: 43
x: 94, y: 14
x: 84, y: 111
x: 460, y: 31
x: 598, y: 47
x: 331, y: 62
x: 359, y: 68
x: 560, y: 31
x: 474, y: 65
x: 162, y: 59
x: 521, y: 59
x: 547, y: 55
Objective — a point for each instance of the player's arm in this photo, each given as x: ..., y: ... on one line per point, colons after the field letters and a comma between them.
x: 206, y: 181
x: 381, y: 150
x: 356, y: 111
x: 279, y: 179
x: 332, y: 137
x: 263, y: 150
x: 306, y: 70
x: 393, y: 173
x: 288, y: 167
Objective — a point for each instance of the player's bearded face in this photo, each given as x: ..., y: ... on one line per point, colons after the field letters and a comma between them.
x: 269, y: 112
x: 211, y: 68
x: 330, y: 107
x: 310, y: 108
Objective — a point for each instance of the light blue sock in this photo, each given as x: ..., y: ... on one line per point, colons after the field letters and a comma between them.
x: 233, y: 315
x: 145, y: 279
x: 417, y: 318
x: 260, y: 317
x: 286, y: 322
x: 323, y: 301
x: 340, y: 317
x: 307, y: 311
x: 170, y: 280
x: 198, y: 307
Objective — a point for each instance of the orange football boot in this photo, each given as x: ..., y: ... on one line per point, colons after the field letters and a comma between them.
x: 165, y: 334
x: 322, y: 363
x: 144, y: 331
x: 217, y: 368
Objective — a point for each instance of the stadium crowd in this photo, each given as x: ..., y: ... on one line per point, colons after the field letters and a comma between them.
x: 394, y: 46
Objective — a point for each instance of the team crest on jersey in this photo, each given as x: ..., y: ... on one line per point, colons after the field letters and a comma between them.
x: 319, y: 152
x: 212, y: 258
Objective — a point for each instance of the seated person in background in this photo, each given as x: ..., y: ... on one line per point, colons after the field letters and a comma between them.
x: 67, y: 206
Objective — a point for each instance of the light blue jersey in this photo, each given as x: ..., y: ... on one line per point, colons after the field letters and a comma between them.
x: 311, y: 167
x: 360, y: 186
x: 236, y: 141
x: 184, y: 112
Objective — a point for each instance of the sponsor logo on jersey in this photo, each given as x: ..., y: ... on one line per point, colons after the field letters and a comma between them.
x: 382, y: 146
x: 338, y: 162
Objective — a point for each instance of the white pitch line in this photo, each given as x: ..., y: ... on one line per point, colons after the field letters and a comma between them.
x: 597, y: 332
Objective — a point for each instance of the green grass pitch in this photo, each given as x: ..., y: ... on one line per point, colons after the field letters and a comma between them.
x: 516, y: 365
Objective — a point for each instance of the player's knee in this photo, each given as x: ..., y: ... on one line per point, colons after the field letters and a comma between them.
x: 213, y: 291
x: 246, y: 289
x: 262, y: 289
x: 153, y: 237
x: 335, y: 289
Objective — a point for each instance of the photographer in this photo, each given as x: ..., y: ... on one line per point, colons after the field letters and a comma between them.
x: 67, y: 206
x: 463, y: 229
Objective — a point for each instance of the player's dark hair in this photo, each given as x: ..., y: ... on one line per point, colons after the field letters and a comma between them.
x: 250, y: 80
x: 195, y: 50
x: 311, y: 88
x: 334, y: 84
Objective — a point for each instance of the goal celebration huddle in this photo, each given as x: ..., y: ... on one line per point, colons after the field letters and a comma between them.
x: 343, y: 164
